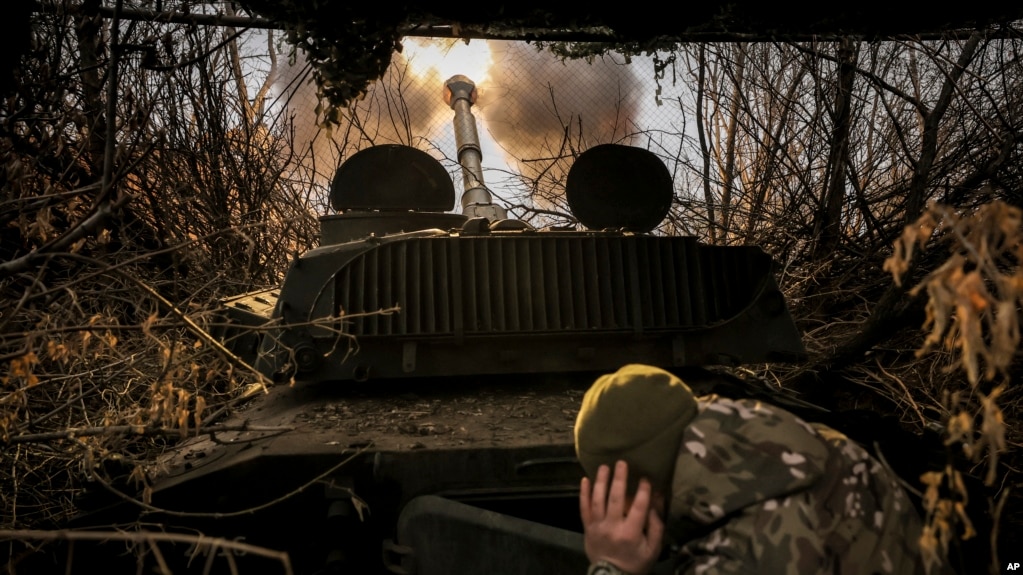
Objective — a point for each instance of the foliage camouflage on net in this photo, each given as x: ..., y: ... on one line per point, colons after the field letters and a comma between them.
x: 348, y: 48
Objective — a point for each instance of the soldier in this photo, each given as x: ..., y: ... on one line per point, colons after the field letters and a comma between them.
x: 743, y: 487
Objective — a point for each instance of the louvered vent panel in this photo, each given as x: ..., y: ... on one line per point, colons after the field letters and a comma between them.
x: 534, y: 284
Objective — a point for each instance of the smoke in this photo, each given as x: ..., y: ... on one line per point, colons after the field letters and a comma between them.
x: 537, y: 106
x: 536, y: 111
x: 397, y: 109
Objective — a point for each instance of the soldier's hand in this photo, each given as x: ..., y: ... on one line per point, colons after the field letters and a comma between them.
x: 627, y: 535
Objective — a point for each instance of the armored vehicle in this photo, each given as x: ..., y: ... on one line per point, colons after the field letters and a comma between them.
x: 431, y: 365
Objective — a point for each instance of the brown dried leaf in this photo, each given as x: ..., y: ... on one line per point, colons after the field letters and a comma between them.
x: 200, y: 406
x: 1005, y: 335
x: 992, y: 431
x: 959, y: 428
x: 147, y: 325
x: 57, y: 351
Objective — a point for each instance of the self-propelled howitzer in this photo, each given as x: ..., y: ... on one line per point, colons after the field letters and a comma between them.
x: 438, y: 360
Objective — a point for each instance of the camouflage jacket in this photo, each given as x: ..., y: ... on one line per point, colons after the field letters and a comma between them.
x: 758, y: 490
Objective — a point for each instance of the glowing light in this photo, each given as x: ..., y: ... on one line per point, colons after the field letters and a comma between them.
x: 445, y: 58
x: 430, y: 62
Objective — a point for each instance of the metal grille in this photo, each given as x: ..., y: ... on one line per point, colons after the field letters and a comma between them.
x: 454, y: 286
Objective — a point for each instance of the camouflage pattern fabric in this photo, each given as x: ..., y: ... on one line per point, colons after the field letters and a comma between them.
x: 758, y: 490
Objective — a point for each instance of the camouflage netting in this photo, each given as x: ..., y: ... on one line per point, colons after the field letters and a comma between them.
x: 349, y: 44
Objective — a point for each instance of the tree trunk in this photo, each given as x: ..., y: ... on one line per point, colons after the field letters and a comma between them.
x: 701, y: 93
x: 728, y: 171
x: 929, y: 139
x: 89, y: 28
x: 828, y: 227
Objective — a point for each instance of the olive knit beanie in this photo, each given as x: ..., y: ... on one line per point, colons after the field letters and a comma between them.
x: 636, y: 414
